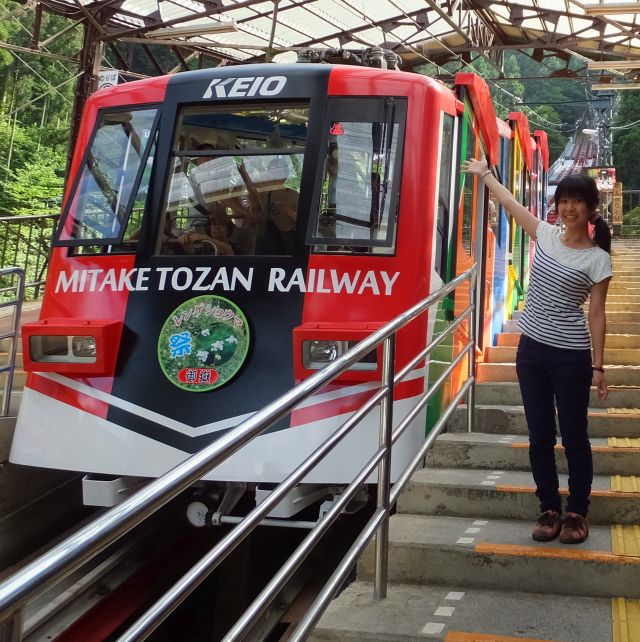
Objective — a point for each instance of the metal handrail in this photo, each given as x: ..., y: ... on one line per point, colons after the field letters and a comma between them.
x: 12, y: 334
x: 26, y: 242
x: 69, y: 555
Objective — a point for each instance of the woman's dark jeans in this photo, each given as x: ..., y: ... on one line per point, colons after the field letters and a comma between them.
x: 559, y: 378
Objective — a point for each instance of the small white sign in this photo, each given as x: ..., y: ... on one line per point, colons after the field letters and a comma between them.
x: 107, y: 79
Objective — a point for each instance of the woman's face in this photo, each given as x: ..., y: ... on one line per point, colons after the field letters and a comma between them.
x: 574, y: 211
x: 218, y: 230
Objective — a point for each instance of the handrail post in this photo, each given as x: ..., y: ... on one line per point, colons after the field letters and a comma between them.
x: 473, y: 337
x: 19, y: 274
x: 384, y: 469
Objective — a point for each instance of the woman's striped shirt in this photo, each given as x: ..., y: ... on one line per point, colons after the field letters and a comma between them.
x: 559, y: 283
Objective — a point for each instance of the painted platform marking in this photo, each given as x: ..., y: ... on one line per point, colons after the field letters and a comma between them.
x: 433, y: 628
x: 492, y: 478
x: 474, y: 529
x: 444, y: 611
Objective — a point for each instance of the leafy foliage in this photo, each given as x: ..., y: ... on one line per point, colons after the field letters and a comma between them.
x: 626, y: 142
x: 36, y: 97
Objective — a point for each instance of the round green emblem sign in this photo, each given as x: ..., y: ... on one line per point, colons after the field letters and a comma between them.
x: 203, y: 343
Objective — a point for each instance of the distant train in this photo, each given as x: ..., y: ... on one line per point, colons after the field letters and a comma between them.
x: 227, y: 232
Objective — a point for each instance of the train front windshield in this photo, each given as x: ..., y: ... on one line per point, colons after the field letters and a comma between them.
x: 234, y: 180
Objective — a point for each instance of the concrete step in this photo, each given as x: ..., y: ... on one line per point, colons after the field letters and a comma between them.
x: 612, y: 341
x: 19, y: 379
x: 613, y: 326
x: 508, y: 393
x: 612, y: 356
x: 510, y: 420
x: 616, y: 375
x: 7, y: 425
x: 619, y: 306
x: 497, y: 494
x: 4, y: 359
x: 499, y: 554
x: 459, y: 613
x: 511, y: 452
x: 16, y: 397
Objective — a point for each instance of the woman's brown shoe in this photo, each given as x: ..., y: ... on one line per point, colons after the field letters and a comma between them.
x: 575, y: 529
x: 548, y: 526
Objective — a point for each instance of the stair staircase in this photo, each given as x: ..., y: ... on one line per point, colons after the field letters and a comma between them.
x: 462, y: 564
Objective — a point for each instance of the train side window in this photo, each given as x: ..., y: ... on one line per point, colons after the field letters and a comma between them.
x: 235, y: 180
x: 444, y: 195
x: 96, y: 218
x: 360, y: 177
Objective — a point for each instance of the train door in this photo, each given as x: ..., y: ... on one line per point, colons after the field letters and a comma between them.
x: 441, y: 356
x: 515, y: 242
x: 469, y: 219
x: 500, y: 225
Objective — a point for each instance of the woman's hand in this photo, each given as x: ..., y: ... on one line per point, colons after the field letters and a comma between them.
x: 600, y: 383
x: 473, y: 166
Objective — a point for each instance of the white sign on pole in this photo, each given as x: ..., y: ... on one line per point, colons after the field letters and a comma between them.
x: 107, y: 78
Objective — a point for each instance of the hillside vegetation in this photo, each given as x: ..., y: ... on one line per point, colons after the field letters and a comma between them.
x: 37, y: 93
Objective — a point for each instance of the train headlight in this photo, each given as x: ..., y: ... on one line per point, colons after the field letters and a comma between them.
x: 84, y: 347
x: 72, y: 346
x: 49, y: 348
x: 317, y: 354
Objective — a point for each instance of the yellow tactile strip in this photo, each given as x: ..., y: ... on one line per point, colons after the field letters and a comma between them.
x: 625, y: 540
x: 623, y: 411
x: 623, y: 442
x: 625, y: 617
x: 622, y: 484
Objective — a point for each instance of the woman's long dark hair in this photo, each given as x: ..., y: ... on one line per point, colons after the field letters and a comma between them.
x: 579, y: 185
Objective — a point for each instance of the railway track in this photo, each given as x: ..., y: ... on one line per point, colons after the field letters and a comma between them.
x: 102, y: 599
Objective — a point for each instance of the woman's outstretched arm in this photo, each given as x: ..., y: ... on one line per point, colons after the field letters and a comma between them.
x: 598, y: 328
x: 522, y: 216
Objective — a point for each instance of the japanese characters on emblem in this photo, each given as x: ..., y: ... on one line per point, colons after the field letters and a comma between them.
x: 203, y: 343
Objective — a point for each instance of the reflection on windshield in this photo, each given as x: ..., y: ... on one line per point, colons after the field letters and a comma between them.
x: 98, y: 208
x: 224, y: 198
x: 256, y: 197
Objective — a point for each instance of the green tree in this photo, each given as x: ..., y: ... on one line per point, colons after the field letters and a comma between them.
x: 37, y: 185
x: 626, y: 141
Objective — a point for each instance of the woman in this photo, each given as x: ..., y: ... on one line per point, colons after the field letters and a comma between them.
x: 557, y: 359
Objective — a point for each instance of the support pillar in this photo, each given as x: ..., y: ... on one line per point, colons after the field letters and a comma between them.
x: 90, y: 62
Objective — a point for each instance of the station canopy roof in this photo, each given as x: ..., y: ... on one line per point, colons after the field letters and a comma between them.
x: 419, y: 31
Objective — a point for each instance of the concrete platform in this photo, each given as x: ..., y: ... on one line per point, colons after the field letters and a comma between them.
x: 612, y: 356
x: 500, y: 553
x: 612, y: 340
x: 459, y: 613
x: 617, y: 375
x: 481, y: 450
x: 508, y: 393
x: 510, y: 420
